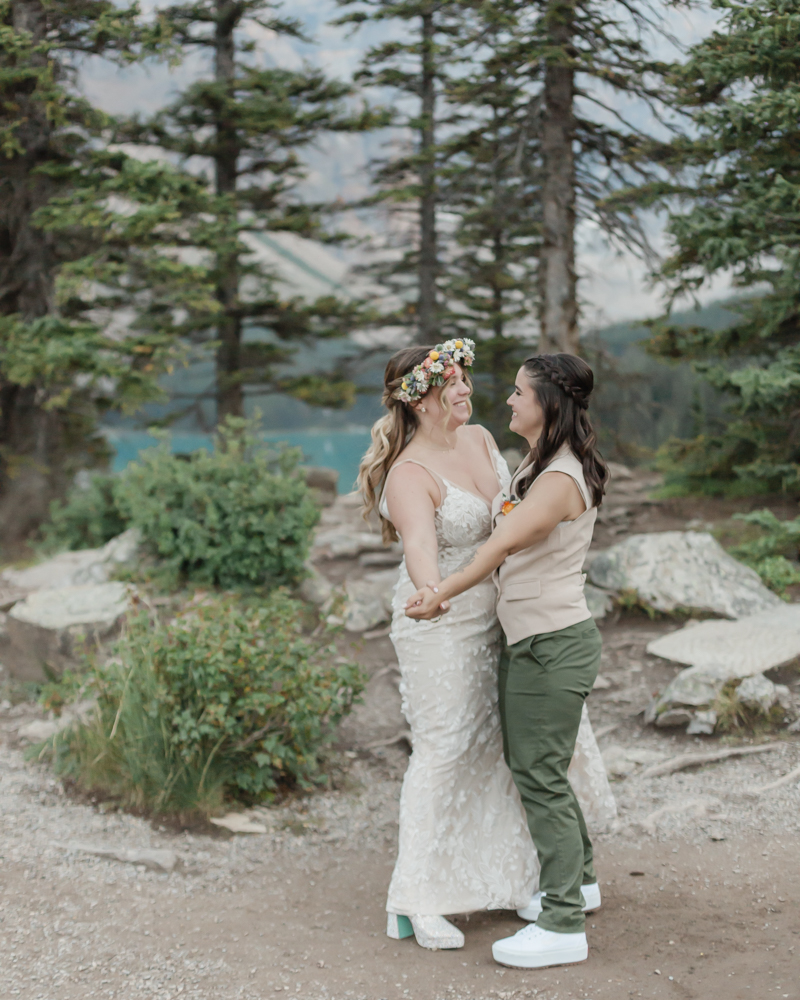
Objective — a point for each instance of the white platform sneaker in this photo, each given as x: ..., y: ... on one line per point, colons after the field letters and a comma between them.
x: 535, y: 948
x: 435, y: 933
x: 591, y: 895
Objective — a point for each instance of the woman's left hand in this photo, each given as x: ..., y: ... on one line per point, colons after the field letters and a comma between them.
x: 425, y: 604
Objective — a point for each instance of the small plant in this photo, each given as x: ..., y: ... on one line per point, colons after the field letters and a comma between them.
x: 226, y: 701
x: 766, y: 551
x: 87, y: 519
x: 734, y: 716
x: 240, y: 516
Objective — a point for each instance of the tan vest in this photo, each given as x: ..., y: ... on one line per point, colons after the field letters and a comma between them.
x: 541, y: 588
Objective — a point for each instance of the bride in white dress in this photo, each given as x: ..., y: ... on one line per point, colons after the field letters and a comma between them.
x: 464, y: 842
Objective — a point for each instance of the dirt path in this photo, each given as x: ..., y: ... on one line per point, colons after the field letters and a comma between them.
x: 299, y: 912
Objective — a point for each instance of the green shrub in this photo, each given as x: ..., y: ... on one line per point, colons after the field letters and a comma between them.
x: 226, y: 701
x: 239, y: 516
x: 766, y: 551
x: 87, y: 519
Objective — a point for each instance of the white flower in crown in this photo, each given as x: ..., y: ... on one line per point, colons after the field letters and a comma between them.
x: 436, y: 368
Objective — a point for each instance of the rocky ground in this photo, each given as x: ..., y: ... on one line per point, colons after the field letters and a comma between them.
x: 700, y: 884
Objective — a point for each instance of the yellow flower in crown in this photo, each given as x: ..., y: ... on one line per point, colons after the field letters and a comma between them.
x: 436, y: 368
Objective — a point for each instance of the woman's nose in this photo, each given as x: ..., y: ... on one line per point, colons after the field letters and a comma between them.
x: 510, y: 400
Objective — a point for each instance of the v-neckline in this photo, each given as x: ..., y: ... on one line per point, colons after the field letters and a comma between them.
x: 472, y: 493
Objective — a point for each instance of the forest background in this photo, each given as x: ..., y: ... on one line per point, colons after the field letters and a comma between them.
x: 222, y: 206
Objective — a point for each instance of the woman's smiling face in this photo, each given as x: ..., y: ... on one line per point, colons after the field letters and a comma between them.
x: 456, y: 391
x: 527, y: 417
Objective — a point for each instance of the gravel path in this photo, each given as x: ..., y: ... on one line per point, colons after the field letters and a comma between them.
x: 298, y: 912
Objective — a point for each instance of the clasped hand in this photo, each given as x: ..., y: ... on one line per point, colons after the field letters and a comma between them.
x: 425, y: 604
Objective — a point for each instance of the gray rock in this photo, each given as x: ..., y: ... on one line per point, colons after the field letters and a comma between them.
x: 156, y: 859
x: 369, y: 600
x: 703, y: 723
x: 721, y: 651
x: 42, y: 729
x: 674, y: 717
x: 50, y: 628
x: 598, y: 601
x: 389, y: 557
x: 324, y: 484
x: 71, y: 569
x: 758, y: 692
x: 316, y: 588
x: 676, y: 569
x: 339, y: 543
x: 735, y: 649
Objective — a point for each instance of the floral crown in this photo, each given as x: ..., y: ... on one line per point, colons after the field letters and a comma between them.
x: 435, y: 369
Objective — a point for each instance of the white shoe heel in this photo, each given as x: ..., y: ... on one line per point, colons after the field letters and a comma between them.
x: 434, y: 933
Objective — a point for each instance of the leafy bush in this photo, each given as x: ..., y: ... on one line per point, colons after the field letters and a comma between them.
x: 87, y: 519
x: 241, y: 515
x: 225, y: 701
x: 767, y: 550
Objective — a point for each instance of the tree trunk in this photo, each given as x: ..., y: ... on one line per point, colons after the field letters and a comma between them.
x: 558, y: 308
x: 230, y: 397
x: 428, y: 257
x: 27, y: 256
x: 29, y: 437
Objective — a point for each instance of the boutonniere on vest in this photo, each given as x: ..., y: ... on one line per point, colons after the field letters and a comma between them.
x: 509, y: 503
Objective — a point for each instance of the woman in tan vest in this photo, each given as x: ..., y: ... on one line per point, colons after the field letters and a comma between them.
x: 543, y: 529
x: 464, y: 837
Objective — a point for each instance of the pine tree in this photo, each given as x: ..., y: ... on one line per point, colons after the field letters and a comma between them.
x: 250, y: 125
x: 551, y: 75
x: 491, y: 185
x: 737, y: 182
x: 57, y: 370
x: 417, y: 69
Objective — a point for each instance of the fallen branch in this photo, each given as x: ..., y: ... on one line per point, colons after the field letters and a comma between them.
x: 698, y: 808
x: 753, y: 790
x: 684, y: 760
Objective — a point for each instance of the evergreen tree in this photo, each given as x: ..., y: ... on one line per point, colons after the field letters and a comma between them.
x: 57, y: 369
x: 738, y: 181
x: 417, y: 68
x: 250, y: 124
x: 547, y: 81
x: 491, y: 185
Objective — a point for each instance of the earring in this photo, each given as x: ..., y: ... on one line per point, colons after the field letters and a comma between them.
x: 423, y: 409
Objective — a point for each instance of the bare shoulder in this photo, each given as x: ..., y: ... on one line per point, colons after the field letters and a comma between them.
x: 478, y: 433
x: 407, y: 476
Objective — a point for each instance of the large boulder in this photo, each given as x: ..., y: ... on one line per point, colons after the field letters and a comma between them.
x: 72, y: 569
x: 50, y: 629
x: 369, y: 600
x: 671, y: 570
x: 722, y: 651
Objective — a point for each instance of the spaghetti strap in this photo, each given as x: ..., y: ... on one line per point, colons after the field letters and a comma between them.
x: 441, y: 483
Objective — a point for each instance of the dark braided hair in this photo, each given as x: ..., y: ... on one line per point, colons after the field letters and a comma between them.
x: 563, y: 384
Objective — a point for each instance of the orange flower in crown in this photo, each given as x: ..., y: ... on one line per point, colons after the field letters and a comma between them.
x: 436, y: 368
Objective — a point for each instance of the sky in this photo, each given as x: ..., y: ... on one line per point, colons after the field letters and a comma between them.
x: 613, y: 285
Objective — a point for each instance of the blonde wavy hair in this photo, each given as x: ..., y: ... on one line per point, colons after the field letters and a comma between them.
x: 392, y: 433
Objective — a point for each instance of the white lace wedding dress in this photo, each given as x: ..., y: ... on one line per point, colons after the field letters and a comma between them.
x: 464, y: 841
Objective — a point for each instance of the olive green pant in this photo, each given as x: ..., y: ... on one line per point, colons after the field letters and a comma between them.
x: 544, y: 681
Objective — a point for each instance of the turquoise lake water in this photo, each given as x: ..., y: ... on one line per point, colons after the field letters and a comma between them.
x: 340, y: 449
